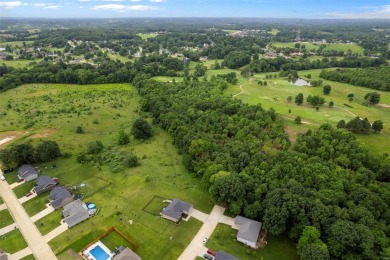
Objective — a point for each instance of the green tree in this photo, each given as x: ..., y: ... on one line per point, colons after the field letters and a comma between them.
x: 141, y: 129
x: 289, y: 99
x: 123, y: 138
x: 298, y: 120
x: 94, y: 147
x: 372, y: 98
x: 350, y: 96
x: 299, y: 99
x: 331, y: 103
x: 47, y: 151
x: 226, y: 187
x: 341, y: 124
x: 310, y: 245
x: 79, y: 130
x: 377, y: 126
x: 326, y: 89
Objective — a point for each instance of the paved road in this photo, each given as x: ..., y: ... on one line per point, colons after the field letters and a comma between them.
x: 34, y: 239
x: 196, y: 245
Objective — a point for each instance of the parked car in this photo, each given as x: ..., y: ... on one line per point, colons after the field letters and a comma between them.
x: 20, y: 180
x: 205, y: 240
x: 29, y: 194
x: 211, y: 252
x: 207, y: 256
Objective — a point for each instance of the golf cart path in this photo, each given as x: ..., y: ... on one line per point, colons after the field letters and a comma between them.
x: 242, y: 91
x: 34, y: 239
x: 196, y: 246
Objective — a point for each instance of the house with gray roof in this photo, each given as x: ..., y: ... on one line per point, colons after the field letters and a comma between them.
x: 27, y: 172
x: 59, y: 197
x: 124, y: 253
x: 176, y: 210
x: 222, y: 255
x: 75, y: 213
x: 44, y: 183
x: 249, y: 231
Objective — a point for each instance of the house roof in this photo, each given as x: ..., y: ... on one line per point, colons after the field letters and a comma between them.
x: 176, y: 208
x: 249, y: 229
x: 58, y: 195
x: 26, y: 170
x: 43, y: 182
x: 222, y: 255
x: 75, y: 212
x: 126, y: 254
x: 3, y: 256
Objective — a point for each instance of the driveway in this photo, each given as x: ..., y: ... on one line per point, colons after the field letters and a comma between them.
x: 34, y: 239
x: 24, y: 198
x: 41, y: 214
x: 196, y: 246
x: 228, y: 221
x: 7, y: 229
x: 20, y: 254
x: 199, y: 215
x: 56, y: 232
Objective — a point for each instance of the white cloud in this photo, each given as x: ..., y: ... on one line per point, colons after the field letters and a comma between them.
x: 157, y: 1
x: 84, y: 0
x: 47, y: 5
x: 381, y: 12
x: 10, y: 4
x: 124, y: 8
x: 53, y: 6
x: 112, y: 0
x: 135, y: 0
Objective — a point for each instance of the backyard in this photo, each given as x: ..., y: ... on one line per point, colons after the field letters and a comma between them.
x: 224, y: 238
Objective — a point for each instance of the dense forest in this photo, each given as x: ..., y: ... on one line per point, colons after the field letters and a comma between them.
x: 327, y: 180
x: 376, y: 78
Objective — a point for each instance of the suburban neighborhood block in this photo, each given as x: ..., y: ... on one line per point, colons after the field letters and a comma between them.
x: 44, y: 183
x: 249, y: 231
x: 75, y: 213
x: 59, y: 197
x: 27, y: 172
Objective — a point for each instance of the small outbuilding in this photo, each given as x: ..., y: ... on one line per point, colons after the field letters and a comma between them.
x: 27, y: 172
x: 44, y: 183
x: 249, y: 231
x: 124, y: 253
x: 74, y: 213
x: 59, y: 197
x: 176, y: 210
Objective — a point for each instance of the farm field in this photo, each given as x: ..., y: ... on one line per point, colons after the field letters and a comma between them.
x: 102, y: 110
x: 329, y: 46
x: 277, y: 91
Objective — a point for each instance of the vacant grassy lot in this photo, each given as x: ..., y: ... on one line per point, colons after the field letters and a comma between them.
x: 224, y: 238
x: 5, y: 218
x: 345, y: 47
x: 12, y: 242
x: 277, y: 91
x: 102, y: 110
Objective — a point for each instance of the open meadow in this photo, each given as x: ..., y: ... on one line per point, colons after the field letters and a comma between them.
x: 53, y: 112
x: 329, y: 46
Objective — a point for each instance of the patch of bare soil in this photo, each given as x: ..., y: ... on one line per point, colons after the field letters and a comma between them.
x: 10, y: 136
x: 45, y: 133
x: 384, y: 105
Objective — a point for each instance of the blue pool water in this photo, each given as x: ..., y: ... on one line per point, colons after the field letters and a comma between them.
x: 99, y: 254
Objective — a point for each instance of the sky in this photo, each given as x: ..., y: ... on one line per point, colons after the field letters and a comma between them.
x: 324, y: 9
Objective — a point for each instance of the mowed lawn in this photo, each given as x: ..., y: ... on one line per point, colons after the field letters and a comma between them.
x: 102, y: 110
x: 277, y: 91
x: 224, y: 238
x: 12, y: 242
x: 5, y: 218
x: 354, y: 48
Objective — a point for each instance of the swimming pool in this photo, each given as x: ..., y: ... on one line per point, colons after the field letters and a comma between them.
x: 99, y: 254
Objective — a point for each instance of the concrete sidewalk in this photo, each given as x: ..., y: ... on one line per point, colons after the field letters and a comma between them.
x: 34, y: 239
x: 20, y: 254
x: 56, y: 232
x: 196, y: 246
x: 43, y: 213
x: 7, y: 229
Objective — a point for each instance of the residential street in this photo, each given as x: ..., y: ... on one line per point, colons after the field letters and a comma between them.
x: 34, y: 239
x: 196, y: 246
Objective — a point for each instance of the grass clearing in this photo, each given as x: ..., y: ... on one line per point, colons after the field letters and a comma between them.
x: 114, y: 240
x: 11, y: 177
x: 224, y: 238
x: 18, y: 63
x: 145, y: 36
x: 277, y: 91
x: 308, y: 45
x: 274, y: 31
x: 49, y: 222
x: 12, y: 242
x: 155, y: 205
x: 345, y: 47
x: 15, y: 43
x: 102, y: 110
x: 5, y: 218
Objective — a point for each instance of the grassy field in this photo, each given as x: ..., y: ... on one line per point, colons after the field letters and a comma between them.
x: 330, y: 46
x: 274, y: 31
x: 12, y: 242
x: 146, y: 36
x: 49, y: 222
x: 102, y: 110
x: 5, y: 218
x: 224, y: 238
x: 18, y: 63
x: 29, y: 257
x: 113, y: 240
x: 277, y: 91
x: 15, y: 43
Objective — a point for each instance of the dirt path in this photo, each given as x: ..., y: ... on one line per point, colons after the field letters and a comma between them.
x: 196, y: 246
x: 242, y: 91
x: 34, y: 239
x: 346, y: 110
